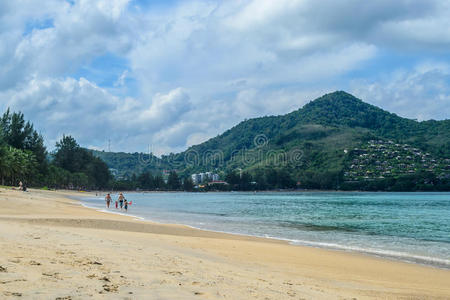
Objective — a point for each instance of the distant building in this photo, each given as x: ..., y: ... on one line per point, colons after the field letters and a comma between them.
x: 196, y: 179
x: 204, y: 177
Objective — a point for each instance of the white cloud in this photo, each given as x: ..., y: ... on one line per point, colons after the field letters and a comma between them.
x: 64, y: 106
x: 200, y: 67
x: 422, y: 94
x: 164, y: 109
x: 78, y: 33
x: 427, y: 31
x: 92, y: 115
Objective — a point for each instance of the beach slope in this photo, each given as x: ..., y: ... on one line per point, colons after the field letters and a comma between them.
x: 53, y: 248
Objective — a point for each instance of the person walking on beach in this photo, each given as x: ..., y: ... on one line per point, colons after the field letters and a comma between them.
x: 125, y: 204
x: 121, y: 198
x: 117, y: 204
x: 108, y: 200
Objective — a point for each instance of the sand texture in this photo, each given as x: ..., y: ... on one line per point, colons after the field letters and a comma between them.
x: 53, y: 248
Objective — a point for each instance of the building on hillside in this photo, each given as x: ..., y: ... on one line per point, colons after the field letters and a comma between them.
x: 196, y: 179
x: 204, y: 177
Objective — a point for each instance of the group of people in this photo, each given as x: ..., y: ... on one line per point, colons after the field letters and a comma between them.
x: 120, y: 201
x: 22, y: 186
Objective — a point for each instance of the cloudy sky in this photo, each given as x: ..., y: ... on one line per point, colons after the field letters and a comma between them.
x: 169, y: 74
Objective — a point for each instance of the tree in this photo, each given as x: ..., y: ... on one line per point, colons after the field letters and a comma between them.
x: 245, y: 181
x: 14, y: 128
x: 173, y: 182
x: 17, y: 165
x: 74, y: 159
x: 21, y: 135
x: 159, y: 182
x: 188, y: 185
x: 285, y: 180
x: 57, y: 177
x: 3, y: 161
x: 260, y: 179
x: 79, y: 180
x: 145, y: 181
x: 96, y: 170
x: 232, y: 177
x: 68, y: 155
x: 35, y: 143
x: 272, y: 178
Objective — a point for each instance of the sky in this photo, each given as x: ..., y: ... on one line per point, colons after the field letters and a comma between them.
x: 134, y: 75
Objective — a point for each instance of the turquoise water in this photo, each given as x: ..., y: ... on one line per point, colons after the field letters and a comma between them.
x: 411, y: 227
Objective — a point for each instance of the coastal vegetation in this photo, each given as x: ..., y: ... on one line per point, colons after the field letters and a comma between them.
x: 24, y: 158
x: 334, y: 142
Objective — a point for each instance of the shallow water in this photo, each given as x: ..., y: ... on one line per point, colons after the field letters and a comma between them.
x: 411, y: 227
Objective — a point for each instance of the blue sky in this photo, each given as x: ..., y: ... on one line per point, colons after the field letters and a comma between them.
x: 170, y: 74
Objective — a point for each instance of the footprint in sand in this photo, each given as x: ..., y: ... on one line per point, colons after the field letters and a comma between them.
x: 17, y: 294
x: 174, y: 273
x: 110, y: 288
x: 105, y: 279
x: 52, y: 275
x: 9, y: 281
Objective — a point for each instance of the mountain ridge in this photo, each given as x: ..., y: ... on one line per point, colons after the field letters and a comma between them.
x: 324, y: 130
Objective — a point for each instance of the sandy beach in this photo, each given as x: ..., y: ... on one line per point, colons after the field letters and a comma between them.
x: 53, y: 248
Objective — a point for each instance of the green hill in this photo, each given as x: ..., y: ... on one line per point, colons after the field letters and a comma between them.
x: 124, y: 165
x: 313, y: 147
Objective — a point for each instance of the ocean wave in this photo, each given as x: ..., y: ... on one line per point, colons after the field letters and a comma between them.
x: 402, y: 256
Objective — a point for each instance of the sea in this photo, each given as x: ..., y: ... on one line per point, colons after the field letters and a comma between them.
x: 411, y: 227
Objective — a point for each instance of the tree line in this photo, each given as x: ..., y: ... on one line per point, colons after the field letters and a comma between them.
x: 24, y: 158
x: 149, y: 182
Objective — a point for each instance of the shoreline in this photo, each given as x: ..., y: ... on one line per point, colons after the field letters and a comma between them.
x: 390, y: 255
x: 54, y: 247
x: 271, y: 191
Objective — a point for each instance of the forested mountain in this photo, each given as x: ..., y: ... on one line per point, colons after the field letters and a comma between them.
x: 330, y: 115
x: 313, y: 147
x: 124, y: 165
x: 334, y: 142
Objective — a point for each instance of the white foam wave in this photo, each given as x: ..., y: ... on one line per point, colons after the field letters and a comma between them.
x: 379, y: 252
